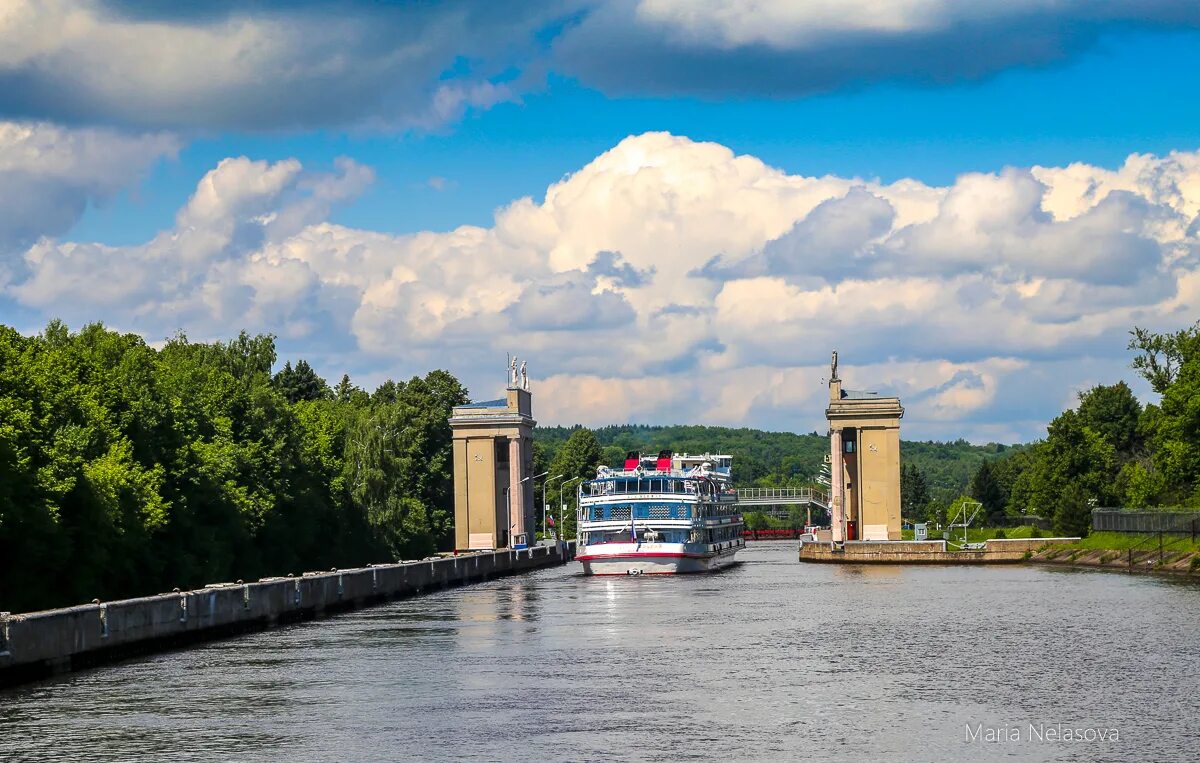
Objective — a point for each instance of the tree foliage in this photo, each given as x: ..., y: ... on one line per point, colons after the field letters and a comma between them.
x: 126, y: 470
x: 1112, y: 451
x: 577, y: 459
x: 986, y: 489
x: 914, y: 492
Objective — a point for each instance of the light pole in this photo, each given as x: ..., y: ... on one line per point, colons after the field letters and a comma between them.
x: 544, y: 506
x: 562, y: 507
x: 523, y: 542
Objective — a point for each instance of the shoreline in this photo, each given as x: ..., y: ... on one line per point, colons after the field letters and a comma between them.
x: 1177, y: 563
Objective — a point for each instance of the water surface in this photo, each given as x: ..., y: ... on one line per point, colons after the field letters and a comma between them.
x: 771, y: 660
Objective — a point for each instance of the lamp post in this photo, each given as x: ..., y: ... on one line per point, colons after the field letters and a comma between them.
x: 544, y: 505
x: 562, y: 507
x: 524, y: 541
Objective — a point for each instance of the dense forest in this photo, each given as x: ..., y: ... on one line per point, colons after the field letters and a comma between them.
x: 126, y: 469
x: 780, y: 459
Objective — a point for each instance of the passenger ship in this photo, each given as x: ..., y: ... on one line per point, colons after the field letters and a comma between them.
x: 665, y: 515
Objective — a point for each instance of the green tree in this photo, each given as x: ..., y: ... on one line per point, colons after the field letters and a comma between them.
x: 578, y: 458
x: 301, y: 382
x: 1112, y: 412
x: 126, y: 469
x: 1073, y: 512
x: 756, y: 520
x: 914, y: 491
x: 986, y: 489
x: 1161, y: 356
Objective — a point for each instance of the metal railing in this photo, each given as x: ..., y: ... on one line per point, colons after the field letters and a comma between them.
x: 776, y: 496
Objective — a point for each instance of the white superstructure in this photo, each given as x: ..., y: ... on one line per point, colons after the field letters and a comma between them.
x: 670, y: 514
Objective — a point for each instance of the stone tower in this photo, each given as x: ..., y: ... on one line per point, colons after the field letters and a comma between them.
x: 864, y: 437
x: 493, y: 460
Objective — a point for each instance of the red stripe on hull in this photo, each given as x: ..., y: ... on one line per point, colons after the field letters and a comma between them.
x: 653, y: 555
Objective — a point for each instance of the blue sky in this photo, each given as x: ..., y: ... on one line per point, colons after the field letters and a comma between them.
x: 850, y: 173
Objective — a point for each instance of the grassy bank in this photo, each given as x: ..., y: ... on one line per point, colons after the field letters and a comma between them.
x: 1177, y: 554
x: 980, y: 534
x: 1108, y: 541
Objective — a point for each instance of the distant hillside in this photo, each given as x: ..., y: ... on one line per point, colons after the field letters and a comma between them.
x: 779, y: 458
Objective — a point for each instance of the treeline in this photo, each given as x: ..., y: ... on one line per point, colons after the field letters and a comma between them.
x: 1109, y: 451
x: 779, y: 459
x: 127, y: 470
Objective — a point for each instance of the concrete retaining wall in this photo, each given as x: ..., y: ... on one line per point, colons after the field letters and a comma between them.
x: 37, y: 644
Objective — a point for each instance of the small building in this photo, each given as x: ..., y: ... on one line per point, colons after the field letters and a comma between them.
x: 864, y: 433
x: 493, y: 461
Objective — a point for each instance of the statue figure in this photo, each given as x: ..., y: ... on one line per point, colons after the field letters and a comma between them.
x: 833, y: 367
x: 524, y: 377
x: 512, y: 372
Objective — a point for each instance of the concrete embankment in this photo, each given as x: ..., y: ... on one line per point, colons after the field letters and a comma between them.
x: 1144, y: 560
x: 38, y: 644
x: 995, y: 551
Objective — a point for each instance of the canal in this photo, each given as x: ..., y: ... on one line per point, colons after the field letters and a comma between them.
x: 771, y: 660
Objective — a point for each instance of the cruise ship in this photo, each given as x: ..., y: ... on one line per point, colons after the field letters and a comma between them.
x: 669, y: 514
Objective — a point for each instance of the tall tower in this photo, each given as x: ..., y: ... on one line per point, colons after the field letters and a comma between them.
x: 493, y: 460
x: 864, y: 439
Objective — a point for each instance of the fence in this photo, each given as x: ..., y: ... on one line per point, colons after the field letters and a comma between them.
x: 772, y: 533
x: 1171, y: 522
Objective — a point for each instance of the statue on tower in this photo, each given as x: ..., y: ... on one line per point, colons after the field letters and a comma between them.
x: 524, y: 377
x: 833, y: 367
x: 512, y: 372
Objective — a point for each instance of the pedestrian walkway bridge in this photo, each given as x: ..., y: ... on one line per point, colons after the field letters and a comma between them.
x: 782, y: 496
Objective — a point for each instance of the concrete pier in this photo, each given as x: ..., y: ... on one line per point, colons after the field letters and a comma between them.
x: 38, y: 644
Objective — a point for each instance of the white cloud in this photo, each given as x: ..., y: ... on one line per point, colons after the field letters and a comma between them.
x: 264, y: 65
x: 279, y: 64
x: 979, y: 303
x: 789, y: 24
x: 50, y: 174
x: 785, y: 47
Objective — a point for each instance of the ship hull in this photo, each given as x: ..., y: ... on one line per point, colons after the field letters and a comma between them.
x: 641, y: 561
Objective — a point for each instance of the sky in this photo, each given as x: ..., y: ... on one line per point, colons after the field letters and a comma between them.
x: 674, y: 210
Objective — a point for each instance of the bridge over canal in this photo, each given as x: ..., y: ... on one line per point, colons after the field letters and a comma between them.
x: 776, y: 500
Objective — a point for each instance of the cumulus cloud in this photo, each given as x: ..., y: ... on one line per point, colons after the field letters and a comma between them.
x: 673, y: 280
x: 275, y: 64
x: 207, y: 271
